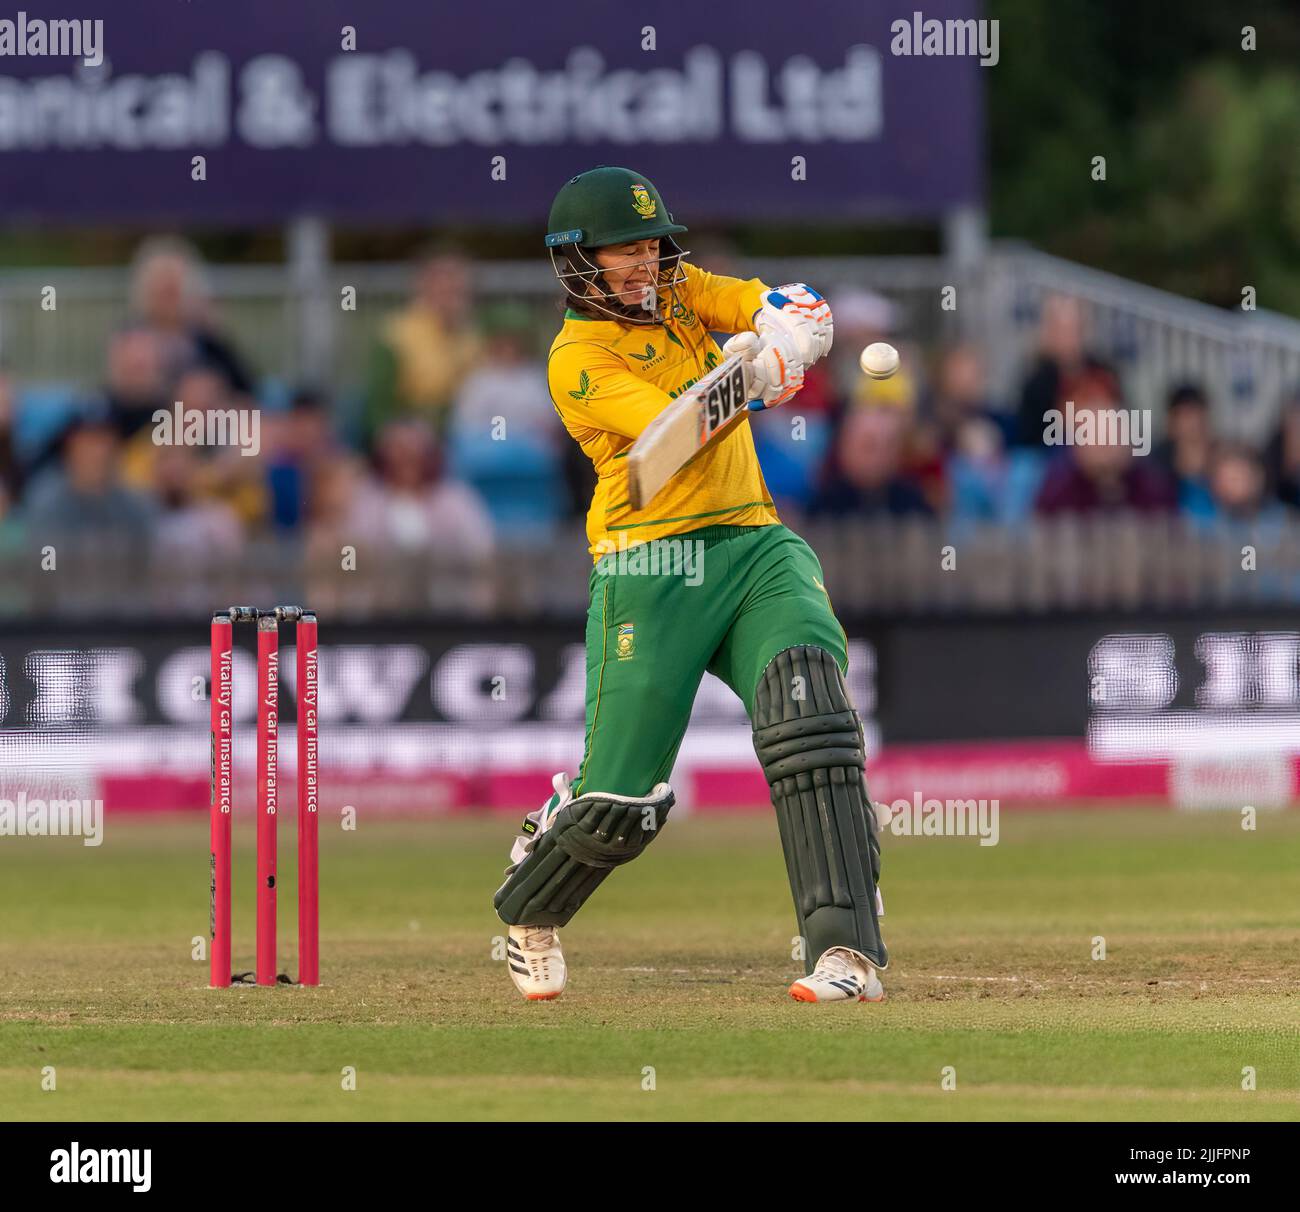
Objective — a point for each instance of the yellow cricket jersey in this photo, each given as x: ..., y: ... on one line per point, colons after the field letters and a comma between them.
x: 608, y: 381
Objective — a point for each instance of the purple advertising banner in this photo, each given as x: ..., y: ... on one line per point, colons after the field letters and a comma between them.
x: 251, y: 112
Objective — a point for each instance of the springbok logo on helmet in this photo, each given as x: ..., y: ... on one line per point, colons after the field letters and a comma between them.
x: 642, y: 202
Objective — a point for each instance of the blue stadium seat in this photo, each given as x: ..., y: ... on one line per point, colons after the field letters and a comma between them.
x: 520, y: 480
x: 43, y: 411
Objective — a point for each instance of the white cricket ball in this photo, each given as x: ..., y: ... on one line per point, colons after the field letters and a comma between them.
x: 879, y: 360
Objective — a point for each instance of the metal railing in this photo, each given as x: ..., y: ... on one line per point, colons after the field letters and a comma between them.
x: 889, y: 566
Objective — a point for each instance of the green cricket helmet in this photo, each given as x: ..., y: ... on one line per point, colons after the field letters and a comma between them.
x: 603, y: 206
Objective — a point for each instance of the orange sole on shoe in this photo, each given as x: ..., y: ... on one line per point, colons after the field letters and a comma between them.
x: 543, y: 997
x: 800, y: 994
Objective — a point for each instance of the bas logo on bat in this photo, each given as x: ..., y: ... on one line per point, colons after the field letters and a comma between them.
x: 724, y: 400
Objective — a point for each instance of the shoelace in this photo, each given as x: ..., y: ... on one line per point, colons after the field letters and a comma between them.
x: 539, y: 938
x: 837, y: 967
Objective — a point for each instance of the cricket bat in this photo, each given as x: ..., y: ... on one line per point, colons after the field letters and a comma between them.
x: 693, y: 420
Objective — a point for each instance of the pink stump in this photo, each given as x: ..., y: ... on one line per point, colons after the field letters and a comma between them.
x: 268, y: 799
x: 308, y: 805
x: 220, y: 801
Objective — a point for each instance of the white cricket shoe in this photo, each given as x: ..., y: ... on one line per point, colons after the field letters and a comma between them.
x: 533, y: 952
x: 841, y: 975
x: 536, y: 962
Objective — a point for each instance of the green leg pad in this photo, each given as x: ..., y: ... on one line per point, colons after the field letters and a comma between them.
x: 586, y: 840
x: 809, y: 740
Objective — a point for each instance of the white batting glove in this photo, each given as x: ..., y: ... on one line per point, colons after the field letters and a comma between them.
x: 778, y: 369
x: 801, y: 312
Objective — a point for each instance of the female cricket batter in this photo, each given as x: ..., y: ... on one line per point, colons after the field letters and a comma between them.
x: 635, y: 336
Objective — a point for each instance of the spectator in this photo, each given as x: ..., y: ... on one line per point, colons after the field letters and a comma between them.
x: 957, y: 399
x: 1238, y: 490
x: 428, y: 537
x: 864, y: 477
x: 1061, y: 358
x: 334, y: 525
x: 960, y: 395
x: 201, y: 389
x: 504, y: 437
x: 231, y: 476
x: 6, y: 516
x: 413, y: 507
x: 225, y: 472
x: 301, y: 441
x: 426, y: 350
x: 84, y: 495
x: 168, y: 297
x: 13, y: 555
x: 1282, y: 457
x: 137, y: 383
x: 1102, y: 477
x: 192, y: 535
x: 990, y: 484
x: 1184, y: 455
x: 334, y: 515
x: 509, y: 384
x: 11, y: 467
x: 1243, y: 511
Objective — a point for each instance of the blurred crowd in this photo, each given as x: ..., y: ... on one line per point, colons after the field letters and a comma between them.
x: 451, y: 446
x: 934, y: 441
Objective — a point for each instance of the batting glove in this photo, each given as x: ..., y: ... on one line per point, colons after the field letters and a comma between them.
x: 801, y: 312
x: 778, y: 369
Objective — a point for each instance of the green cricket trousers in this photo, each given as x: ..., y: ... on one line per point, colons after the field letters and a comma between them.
x: 726, y: 599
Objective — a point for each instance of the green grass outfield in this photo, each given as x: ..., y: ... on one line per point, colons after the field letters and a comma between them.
x: 679, y: 966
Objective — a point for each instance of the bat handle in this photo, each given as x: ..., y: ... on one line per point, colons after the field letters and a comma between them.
x: 756, y: 406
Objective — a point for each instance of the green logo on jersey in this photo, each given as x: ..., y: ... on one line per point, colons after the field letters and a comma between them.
x: 585, y: 390
x: 710, y: 361
x: 645, y: 357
